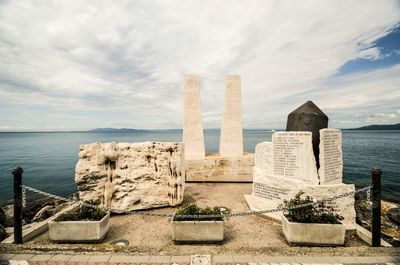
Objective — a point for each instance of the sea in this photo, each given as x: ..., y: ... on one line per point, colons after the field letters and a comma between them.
x: 48, y: 159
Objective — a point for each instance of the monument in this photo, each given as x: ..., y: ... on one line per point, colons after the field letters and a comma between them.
x: 308, y: 117
x: 193, y: 135
x: 287, y: 165
x: 231, y: 164
x: 131, y: 176
x: 231, y: 140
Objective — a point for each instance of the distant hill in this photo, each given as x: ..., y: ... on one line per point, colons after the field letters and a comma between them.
x: 380, y: 127
x: 114, y: 130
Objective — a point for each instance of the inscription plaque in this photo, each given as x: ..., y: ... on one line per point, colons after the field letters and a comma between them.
x: 330, y: 156
x: 293, y: 156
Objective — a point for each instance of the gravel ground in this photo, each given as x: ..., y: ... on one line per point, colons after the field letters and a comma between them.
x: 243, y: 235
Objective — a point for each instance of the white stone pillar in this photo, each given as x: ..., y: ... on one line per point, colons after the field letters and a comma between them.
x: 193, y: 135
x: 231, y: 141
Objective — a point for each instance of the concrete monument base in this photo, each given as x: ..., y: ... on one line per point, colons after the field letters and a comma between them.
x: 214, y: 168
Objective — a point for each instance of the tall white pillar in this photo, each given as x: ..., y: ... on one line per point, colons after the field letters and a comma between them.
x: 231, y: 141
x: 193, y: 135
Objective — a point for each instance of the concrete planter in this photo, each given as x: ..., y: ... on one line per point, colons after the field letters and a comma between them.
x: 313, y: 234
x: 79, y: 231
x: 197, y: 231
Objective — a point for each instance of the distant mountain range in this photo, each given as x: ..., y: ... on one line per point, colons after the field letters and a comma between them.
x: 379, y: 127
x: 127, y: 130
x: 121, y: 130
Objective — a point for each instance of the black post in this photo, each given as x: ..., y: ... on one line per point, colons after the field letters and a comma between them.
x: 376, y: 206
x: 17, y: 173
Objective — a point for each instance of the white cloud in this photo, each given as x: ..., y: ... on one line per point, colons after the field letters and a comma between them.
x: 123, y: 62
x: 372, y: 54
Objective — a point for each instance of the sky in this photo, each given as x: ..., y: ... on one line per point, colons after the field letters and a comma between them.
x: 78, y: 65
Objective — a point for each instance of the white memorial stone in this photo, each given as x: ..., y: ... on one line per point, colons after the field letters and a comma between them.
x: 330, y: 156
x: 274, y: 189
x: 294, y: 157
x: 264, y: 157
x: 231, y: 141
x: 193, y: 135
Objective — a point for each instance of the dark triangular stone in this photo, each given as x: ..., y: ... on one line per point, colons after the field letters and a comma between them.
x: 310, y: 108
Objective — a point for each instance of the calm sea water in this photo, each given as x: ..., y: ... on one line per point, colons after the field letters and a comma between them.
x: 49, y: 159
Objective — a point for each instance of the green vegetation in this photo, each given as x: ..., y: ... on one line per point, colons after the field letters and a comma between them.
x: 191, y: 211
x: 83, y: 213
x: 316, y: 213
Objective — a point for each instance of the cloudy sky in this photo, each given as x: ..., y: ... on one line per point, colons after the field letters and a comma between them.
x: 77, y: 65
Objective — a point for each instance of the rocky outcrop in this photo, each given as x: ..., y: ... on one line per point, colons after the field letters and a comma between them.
x: 131, y: 176
x: 3, y: 233
x: 8, y: 215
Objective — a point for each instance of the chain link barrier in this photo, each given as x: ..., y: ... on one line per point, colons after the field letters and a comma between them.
x: 247, y: 213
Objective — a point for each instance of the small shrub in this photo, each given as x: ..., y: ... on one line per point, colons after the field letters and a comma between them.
x: 309, y: 214
x: 194, y: 210
x: 83, y: 213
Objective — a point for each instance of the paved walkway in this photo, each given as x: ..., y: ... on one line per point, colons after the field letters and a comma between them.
x: 104, y: 259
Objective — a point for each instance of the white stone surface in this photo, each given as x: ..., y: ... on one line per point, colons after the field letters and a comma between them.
x: 270, y: 191
x: 330, y: 156
x: 231, y: 141
x: 264, y: 157
x: 294, y: 157
x: 274, y: 189
x: 214, y: 168
x: 193, y: 134
x: 131, y: 176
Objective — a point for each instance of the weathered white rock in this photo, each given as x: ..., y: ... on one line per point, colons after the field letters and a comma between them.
x: 231, y: 141
x: 131, y: 176
x: 193, y: 135
x: 264, y: 157
x: 294, y: 156
x: 330, y: 156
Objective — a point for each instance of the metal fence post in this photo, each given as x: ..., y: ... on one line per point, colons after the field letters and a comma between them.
x: 376, y: 206
x: 17, y: 173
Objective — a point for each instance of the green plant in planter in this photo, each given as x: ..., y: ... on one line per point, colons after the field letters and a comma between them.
x: 83, y: 213
x: 315, y: 213
x: 190, y: 211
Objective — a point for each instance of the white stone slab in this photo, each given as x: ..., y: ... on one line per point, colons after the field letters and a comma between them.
x: 264, y: 157
x: 269, y: 192
x: 330, y: 156
x: 231, y: 141
x: 294, y: 157
x: 193, y: 134
x: 274, y: 189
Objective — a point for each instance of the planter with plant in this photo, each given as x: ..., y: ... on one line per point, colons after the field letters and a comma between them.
x: 315, y: 224
x: 193, y: 224
x: 84, y: 224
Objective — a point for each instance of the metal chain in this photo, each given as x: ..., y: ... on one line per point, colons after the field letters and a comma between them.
x: 23, y: 197
x: 369, y: 203
x: 135, y: 212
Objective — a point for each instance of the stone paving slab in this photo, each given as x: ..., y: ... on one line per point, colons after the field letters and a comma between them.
x: 180, y: 259
x: 103, y: 259
x: 58, y: 257
x: 160, y: 259
x: 99, y: 258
